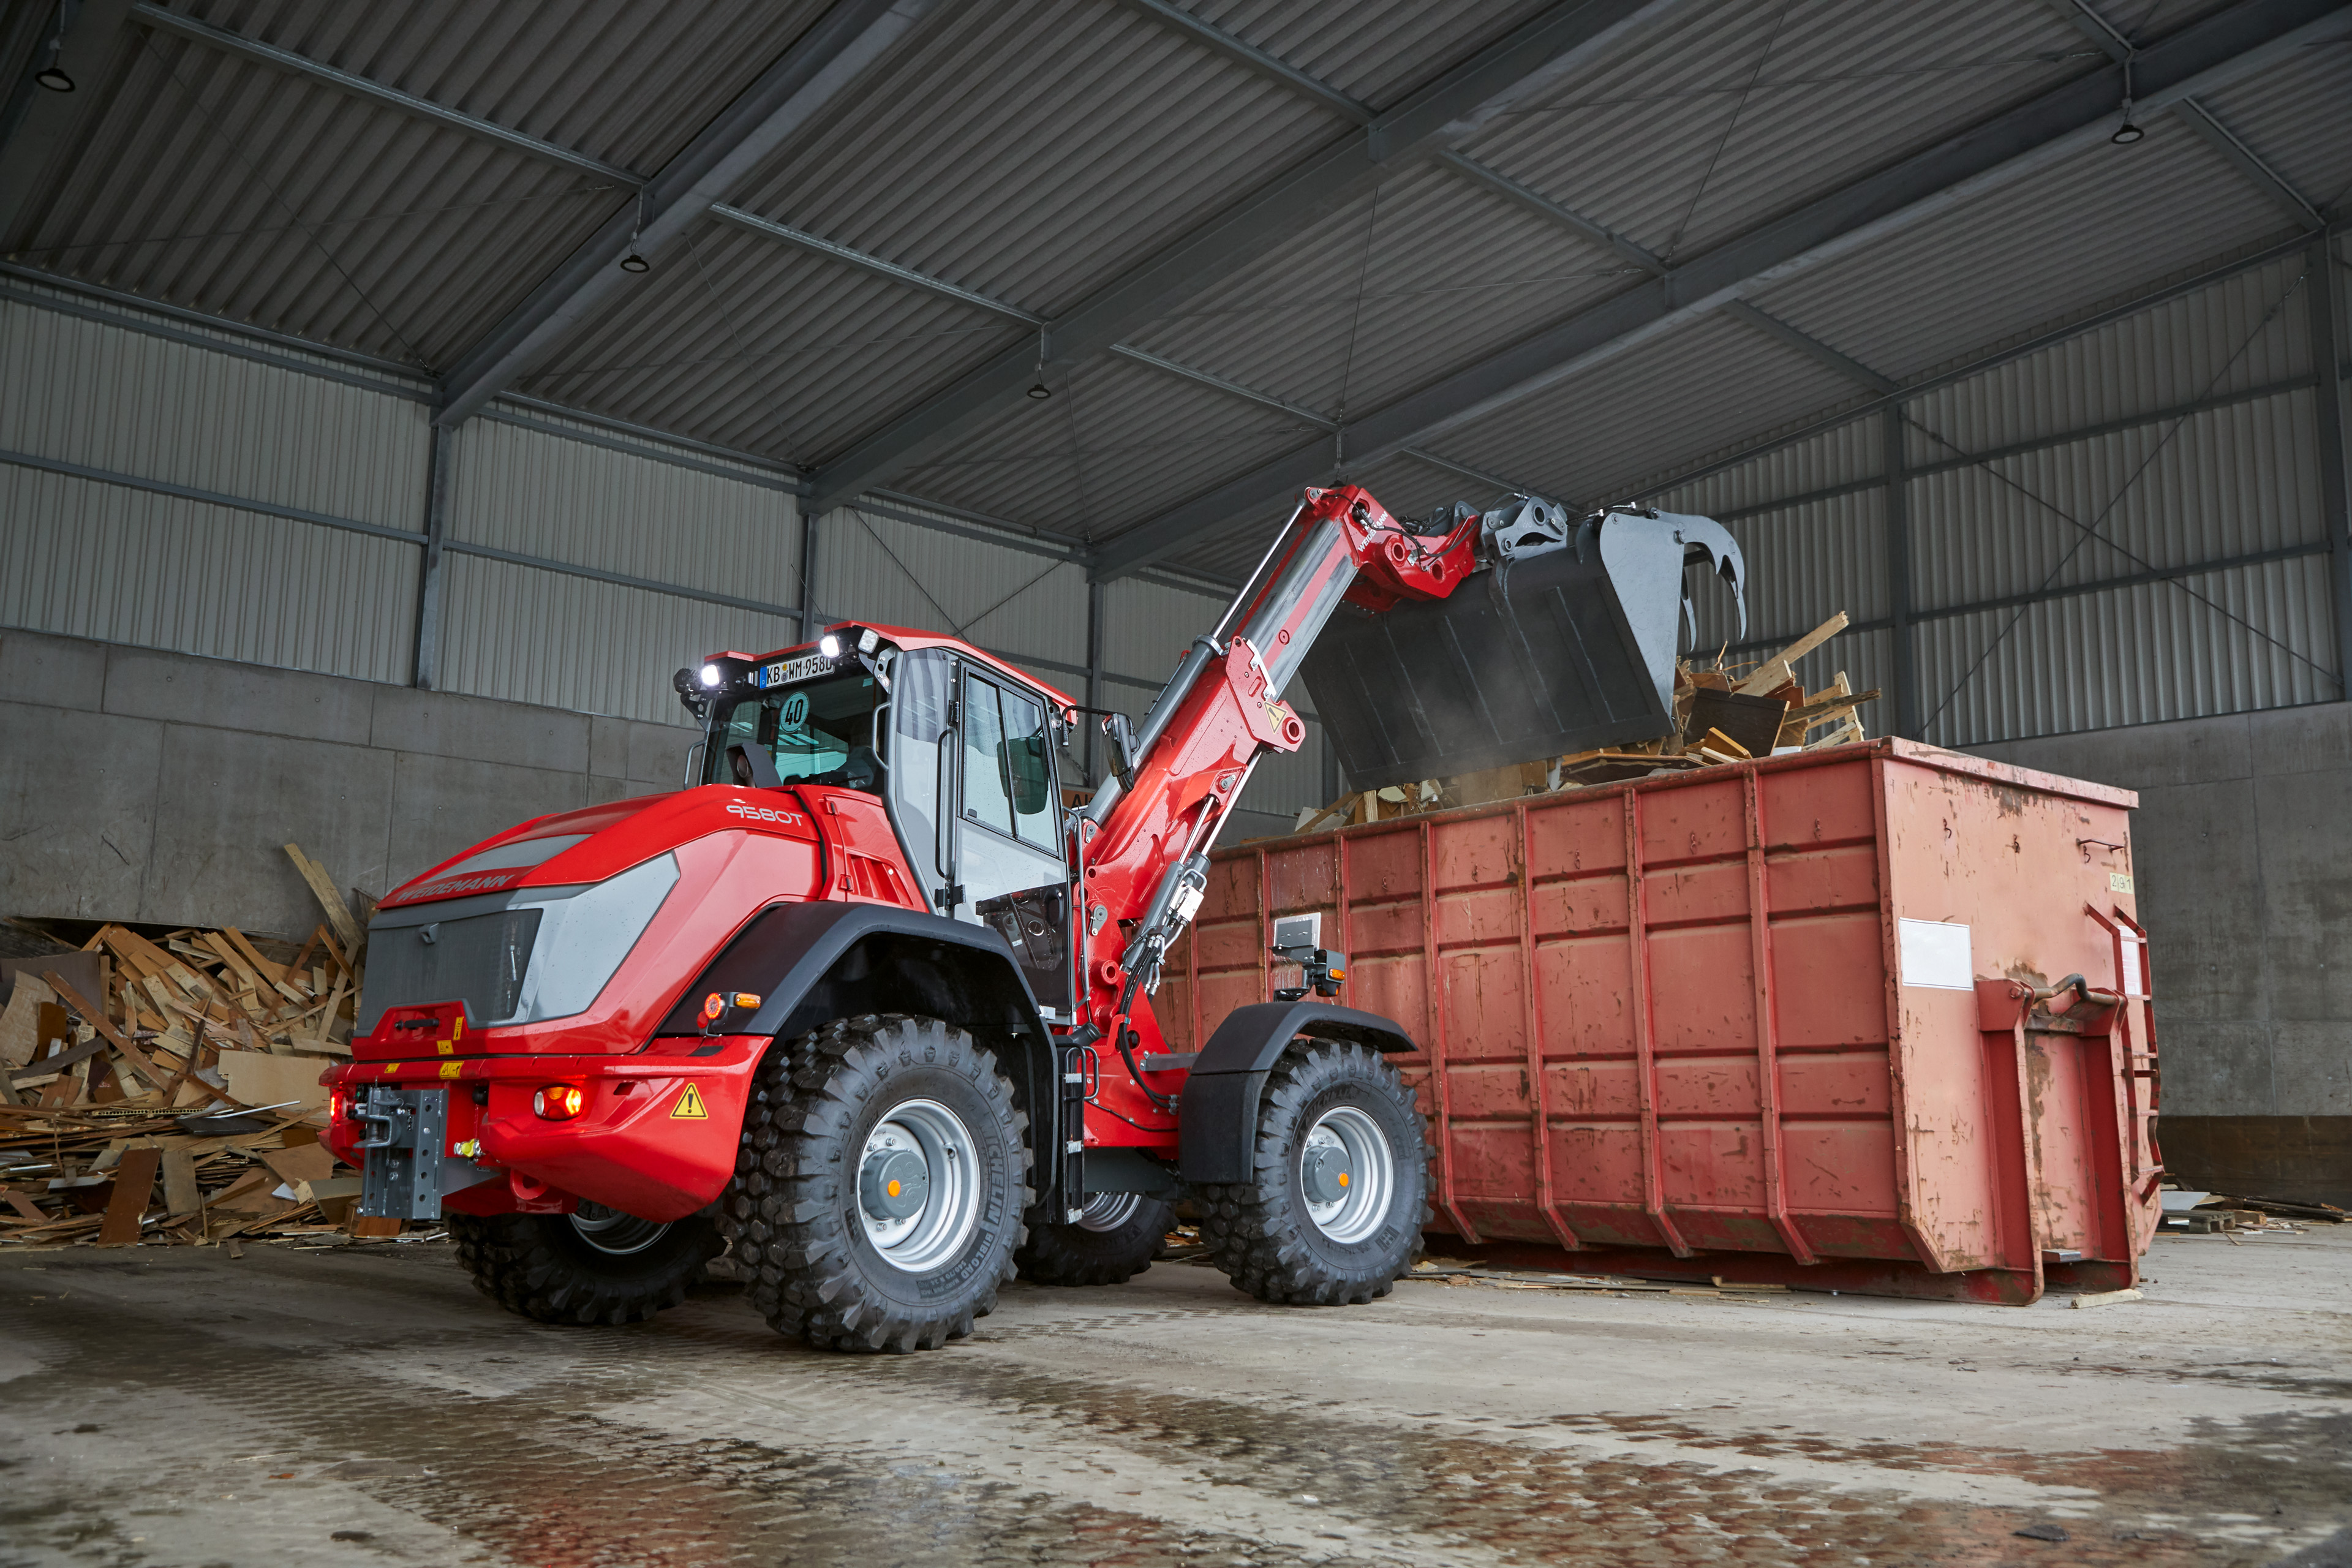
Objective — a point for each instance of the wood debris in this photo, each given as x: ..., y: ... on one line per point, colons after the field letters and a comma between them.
x: 164, y: 1087
x: 1722, y: 715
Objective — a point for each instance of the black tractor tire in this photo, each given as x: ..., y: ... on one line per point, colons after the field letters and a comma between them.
x: 544, y: 1266
x: 814, y: 1269
x: 1101, y: 1250
x: 1261, y: 1232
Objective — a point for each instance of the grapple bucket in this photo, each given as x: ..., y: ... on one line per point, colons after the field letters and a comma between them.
x: 1556, y: 649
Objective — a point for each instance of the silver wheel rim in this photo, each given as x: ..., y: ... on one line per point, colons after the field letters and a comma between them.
x: 949, y: 1212
x: 1370, y: 1173
x: 615, y: 1234
x: 1108, y: 1211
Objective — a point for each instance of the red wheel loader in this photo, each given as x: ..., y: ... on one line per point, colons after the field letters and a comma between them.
x: 865, y: 1002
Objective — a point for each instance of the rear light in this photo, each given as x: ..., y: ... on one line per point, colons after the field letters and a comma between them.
x: 716, y: 1005
x: 338, y: 1106
x: 559, y: 1101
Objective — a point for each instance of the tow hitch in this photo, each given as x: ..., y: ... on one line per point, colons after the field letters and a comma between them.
x: 406, y: 1144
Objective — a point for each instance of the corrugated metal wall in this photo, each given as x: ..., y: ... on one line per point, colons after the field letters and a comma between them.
x: 870, y: 566
x: 2033, y: 487
x: 533, y: 635
x: 2182, y: 436
x: 86, y: 557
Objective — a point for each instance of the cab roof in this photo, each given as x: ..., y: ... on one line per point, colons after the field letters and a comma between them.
x: 908, y: 637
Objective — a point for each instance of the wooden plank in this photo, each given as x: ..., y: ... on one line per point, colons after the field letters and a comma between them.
x: 181, y: 1193
x: 1773, y: 671
x: 1813, y: 712
x: 322, y: 888
x: 95, y: 1017
x: 275, y: 973
x: 134, y: 1187
x: 46, y: 1067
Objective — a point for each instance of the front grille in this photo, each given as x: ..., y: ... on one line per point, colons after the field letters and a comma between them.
x: 480, y: 961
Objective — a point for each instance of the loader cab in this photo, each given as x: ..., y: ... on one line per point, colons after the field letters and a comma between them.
x: 961, y: 750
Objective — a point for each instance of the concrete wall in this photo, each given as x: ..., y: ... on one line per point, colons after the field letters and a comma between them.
x: 142, y: 785
x: 2243, y: 852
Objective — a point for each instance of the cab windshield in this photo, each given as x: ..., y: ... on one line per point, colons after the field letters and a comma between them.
x: 819, y: 730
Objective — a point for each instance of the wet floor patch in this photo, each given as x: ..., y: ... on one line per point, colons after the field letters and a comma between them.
x: 406, y: 1429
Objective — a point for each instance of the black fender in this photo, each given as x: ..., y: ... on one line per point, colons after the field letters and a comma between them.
x: 1217, y: 1117
x: 810, y: 963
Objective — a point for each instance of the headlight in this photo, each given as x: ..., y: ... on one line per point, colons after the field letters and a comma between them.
x: 829, y: 646
x: 712, y: 675
x: 868, y: 640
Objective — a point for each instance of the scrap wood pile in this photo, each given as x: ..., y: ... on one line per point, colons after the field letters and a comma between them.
x: 166, y: 1088
x: 1722, y: 714
x: 2218, y: 1213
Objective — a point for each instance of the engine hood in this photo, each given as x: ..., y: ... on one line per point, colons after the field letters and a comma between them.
x: 601, y: 841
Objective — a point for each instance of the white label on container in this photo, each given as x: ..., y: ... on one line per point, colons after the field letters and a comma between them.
x: 2119, y: 882
x: 1935, y: 953
x: 2131, y: 968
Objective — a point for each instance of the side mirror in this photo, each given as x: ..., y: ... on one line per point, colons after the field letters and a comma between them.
x: 1024, y: 763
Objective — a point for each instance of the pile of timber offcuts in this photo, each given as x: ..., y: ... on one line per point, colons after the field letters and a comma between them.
x: 165, y: 1088
x: 1723, y: 713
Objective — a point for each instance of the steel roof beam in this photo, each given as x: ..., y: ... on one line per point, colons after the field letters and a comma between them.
x: 1805, y: 344
x: 803, y: 82
x: 1535, y: 201
x: 1297, y: 411
x: 807, y: 241
x: 2209, y: 54
x: 2250, y: 164
x: 1448, y: 111
x: 1272, y: 66
x: 237, y: 44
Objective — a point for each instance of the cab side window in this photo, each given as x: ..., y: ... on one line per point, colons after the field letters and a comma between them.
x: 987, y: 798
x: 1029, y: 770
x: 1008, y: 774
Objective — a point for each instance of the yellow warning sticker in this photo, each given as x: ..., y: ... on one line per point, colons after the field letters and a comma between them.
x: 689, y: 1106
x: 451, y: 1069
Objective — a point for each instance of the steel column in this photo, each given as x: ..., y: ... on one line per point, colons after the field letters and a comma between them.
x: 808, y: 614
x: 2325, y: 310
x: 1897, y: 487
x: 1092, y: 724
x: 425, y: 665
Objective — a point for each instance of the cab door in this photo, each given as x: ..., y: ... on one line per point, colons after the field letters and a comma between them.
x: 1006, y: 823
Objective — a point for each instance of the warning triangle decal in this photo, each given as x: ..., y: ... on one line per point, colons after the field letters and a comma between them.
x: 689, y: 1106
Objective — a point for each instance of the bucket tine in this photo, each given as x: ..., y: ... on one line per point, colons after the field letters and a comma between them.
x: 1557, y: 649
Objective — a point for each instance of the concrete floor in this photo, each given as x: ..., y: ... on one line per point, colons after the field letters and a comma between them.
x: 365, y: 1406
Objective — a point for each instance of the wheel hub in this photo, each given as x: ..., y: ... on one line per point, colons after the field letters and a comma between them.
x: 919, y: 1186
x: 1347, y: 1174
x: 894, y: 1184
x: 1323, y: 1173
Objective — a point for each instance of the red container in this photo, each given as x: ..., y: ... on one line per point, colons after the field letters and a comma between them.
x: 1859, y: 1091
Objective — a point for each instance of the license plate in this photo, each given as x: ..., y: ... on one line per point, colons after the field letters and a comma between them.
x: 785, y: 671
